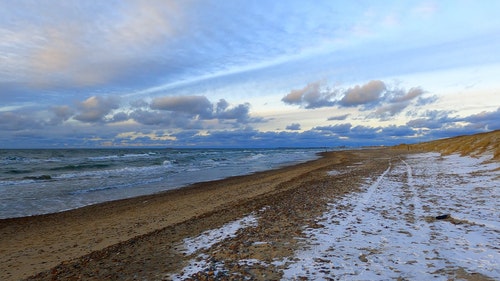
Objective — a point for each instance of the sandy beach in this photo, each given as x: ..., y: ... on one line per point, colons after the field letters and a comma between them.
x: 266, y: 226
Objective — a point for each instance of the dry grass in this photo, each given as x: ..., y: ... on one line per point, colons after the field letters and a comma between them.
x: 473, y: 145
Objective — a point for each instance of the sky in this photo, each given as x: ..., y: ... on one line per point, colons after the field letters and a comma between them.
x: 240, y: 73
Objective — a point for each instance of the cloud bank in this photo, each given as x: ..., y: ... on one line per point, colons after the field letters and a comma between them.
x: 385, y: 100
x: 185, y: 121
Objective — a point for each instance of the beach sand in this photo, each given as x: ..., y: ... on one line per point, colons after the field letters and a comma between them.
x: 246, y: 227
x: 33, y: 244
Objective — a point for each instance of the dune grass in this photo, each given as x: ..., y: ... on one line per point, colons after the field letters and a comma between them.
x: 483, y: 144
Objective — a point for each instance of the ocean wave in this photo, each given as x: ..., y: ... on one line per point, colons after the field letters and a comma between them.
x: 120, y: 156
x: 72, y: 167
x: 85, y: 173
x: 10, y: 182
x: 42, y: 177
x: 90, y: 190
x: 167, y: 164
x: 118, y: 186
x: 256, y: 156
x: 129, y: 172
x: 16, y: 172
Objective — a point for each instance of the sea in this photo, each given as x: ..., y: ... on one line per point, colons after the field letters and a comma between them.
x: 42, y: 181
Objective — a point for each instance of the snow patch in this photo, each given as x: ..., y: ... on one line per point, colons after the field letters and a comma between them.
x: 210, y: 237
x: 387, y: 231
x: 206, y: 240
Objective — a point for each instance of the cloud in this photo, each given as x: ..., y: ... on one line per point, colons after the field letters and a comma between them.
x: 375, y: 94
x: 191, y: 105
x: 18, y: 121
x: 434, y: 119
x: 95, y: 108
x: 488, y: 120
x: 310, y: 96
x: 154, y: 136
x: 394, y: 101
x: 147, y: 22
x: 293, y: 127
x: 199, y: 107
x: 401, y: 96
x: 86, y: 45
x: 440, y: 124
x: 240, y: 113
x: 388, y: 110
x: 61, y: 114
x: 424, y: 123
x: 338, y: 118
x: 398, y: 131
x: 120, y: 117
x: 341, y: 129
x: 148, y: 117
x: 426, y: 100
x: 364, y: 94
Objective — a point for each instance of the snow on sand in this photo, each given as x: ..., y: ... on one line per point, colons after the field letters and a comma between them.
x: 389, y: 230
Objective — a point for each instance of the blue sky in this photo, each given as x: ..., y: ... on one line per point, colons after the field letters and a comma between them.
x: 246, y: 73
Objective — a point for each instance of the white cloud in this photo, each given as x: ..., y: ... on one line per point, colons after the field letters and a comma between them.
x: 310, y: 96
x: 364, y: 94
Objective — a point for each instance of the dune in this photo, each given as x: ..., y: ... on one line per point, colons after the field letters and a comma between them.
x: 477, y: 145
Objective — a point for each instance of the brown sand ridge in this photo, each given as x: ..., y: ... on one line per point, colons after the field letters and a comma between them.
x: 139, y: 238
x: 470, y: 145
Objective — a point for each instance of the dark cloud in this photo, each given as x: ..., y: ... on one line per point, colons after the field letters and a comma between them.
x: 488, y: 120
x: 440, y: 124
x: 424, y: 123
x: 402, y: 96
x: 157, y: 134
x: 239, y: 113
x: 18, y: 121
x: 293, y: 127
x: 61, y: 114
x: 364, y: 94
x: 139, y: 103
x: 192, y: 105
x: 336, y: 129
x: 199, y: 107
x: 433, y: 119
x: 95, y: 109
x: 310, y: 96
x: 364, y: 132
x: 426, y: 100
x: 387, y: 110
x: 221, y: 106
x: 119, y: 117
x: 395, y: 101
x: 148, y: 117
x: 397, y: 131
x: 338, y: 118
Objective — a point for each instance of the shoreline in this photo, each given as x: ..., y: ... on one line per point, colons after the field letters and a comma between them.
x: 162, y: 193
x: 76, y: 178
x: 36, y: 243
